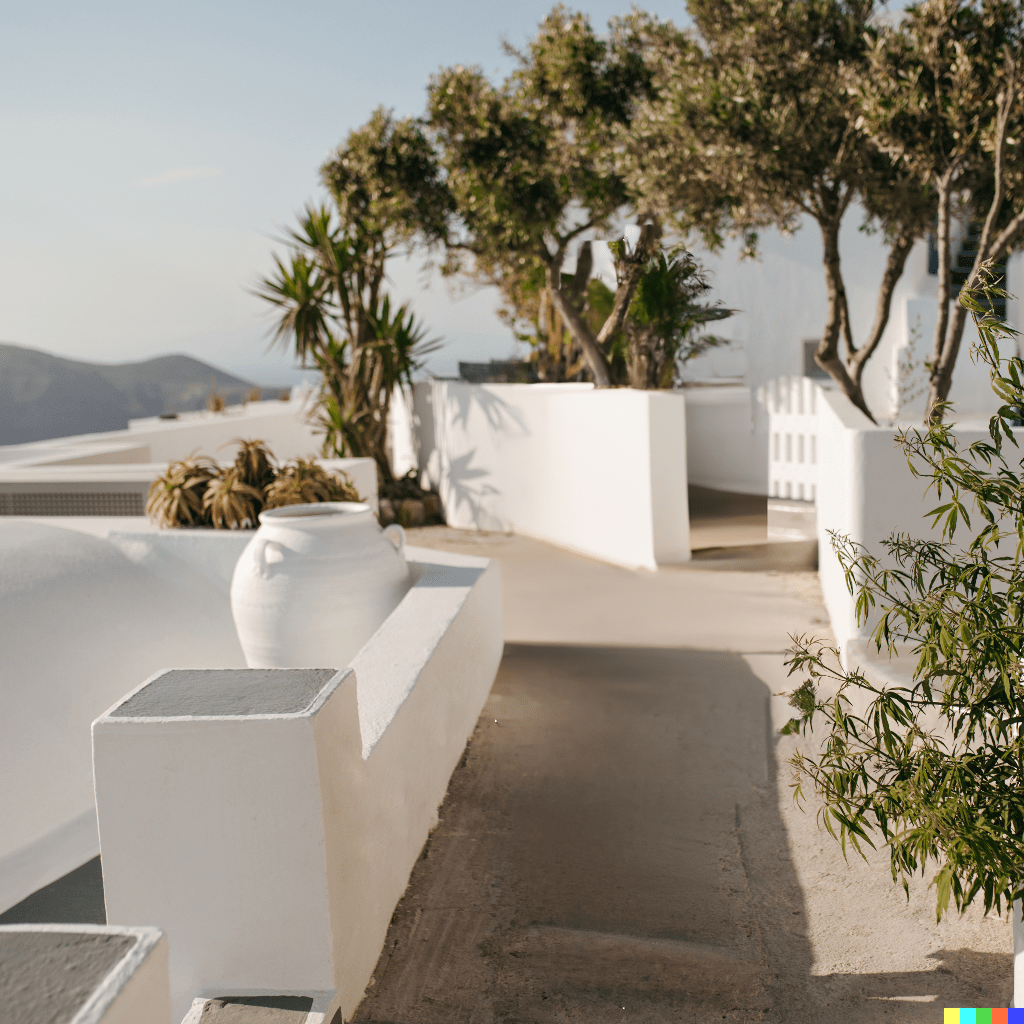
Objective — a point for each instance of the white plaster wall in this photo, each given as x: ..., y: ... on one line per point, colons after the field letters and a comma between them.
x: 781, y: 301
x: 865, y: 491
x: 283, y: 426
x: 82, y: 618
x: 602, y: 472
x: 213, y: 827
x: 726, y: 440
x: 273, y: 849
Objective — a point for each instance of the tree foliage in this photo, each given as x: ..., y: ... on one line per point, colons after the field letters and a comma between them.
x: 935, y: 769
x: 942, y: 96
x: 528, y: 169
x: 749, y: 123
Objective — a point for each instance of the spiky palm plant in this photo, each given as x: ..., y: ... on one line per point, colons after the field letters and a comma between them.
x: 231, y: 503
x: 255, y: 463
x: 302, y: 482
x: 176, y: 497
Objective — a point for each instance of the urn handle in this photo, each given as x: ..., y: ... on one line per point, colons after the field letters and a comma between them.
x: 396, y: 534
x: 268, y: 554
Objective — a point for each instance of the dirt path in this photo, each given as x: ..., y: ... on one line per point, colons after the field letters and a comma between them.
x: 619, y: 843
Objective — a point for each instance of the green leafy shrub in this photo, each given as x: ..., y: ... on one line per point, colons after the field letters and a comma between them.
x: 935, y: 769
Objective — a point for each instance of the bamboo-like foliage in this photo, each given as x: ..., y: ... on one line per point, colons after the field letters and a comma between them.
x: 176, y: 497
x: 935, y: 769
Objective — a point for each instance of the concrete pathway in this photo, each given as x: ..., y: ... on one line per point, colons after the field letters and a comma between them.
x: 619, y: 842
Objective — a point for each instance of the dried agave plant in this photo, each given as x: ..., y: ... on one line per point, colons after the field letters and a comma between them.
x: 302, y: 482
x: 254, y: 463
x: 176, y: 497
x: 230, y: 503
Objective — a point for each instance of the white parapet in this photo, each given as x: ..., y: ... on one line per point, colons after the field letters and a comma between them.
x: 268, y: 820
x: 118, y: 488
x: 602, y: 472
x: 83, y: 974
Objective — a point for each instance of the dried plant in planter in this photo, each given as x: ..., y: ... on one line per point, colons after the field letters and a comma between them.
x: 176, y: 497
x: 230, y: 503
x: 302, y: 481
x: 254, y: 463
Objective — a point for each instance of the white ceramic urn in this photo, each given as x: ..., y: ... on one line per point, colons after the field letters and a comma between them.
x: 315, y: 583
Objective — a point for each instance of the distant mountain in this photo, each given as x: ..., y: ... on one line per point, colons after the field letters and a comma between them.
x: 45, y: 396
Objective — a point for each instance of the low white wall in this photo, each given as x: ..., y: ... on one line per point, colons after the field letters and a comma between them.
x: 82, y: 619
x: 602, y: 472
x: 726, y: 440
x: 865, y: 491
x: 272, y: 846
x: 119, y: 489
x: 283, y: 426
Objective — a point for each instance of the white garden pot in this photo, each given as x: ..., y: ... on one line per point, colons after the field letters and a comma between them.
x: 315, y: 583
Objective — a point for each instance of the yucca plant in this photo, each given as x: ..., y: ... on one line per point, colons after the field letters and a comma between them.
x: 176, y: 497
x: 303, y: 481
x: 254, y: 463
x: 230, y: 502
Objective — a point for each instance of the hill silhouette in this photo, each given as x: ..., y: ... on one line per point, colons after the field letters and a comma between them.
x: 44, y: 396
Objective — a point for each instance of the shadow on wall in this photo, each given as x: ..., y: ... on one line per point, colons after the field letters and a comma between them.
x: 498, y: 413
x: 465, y: 487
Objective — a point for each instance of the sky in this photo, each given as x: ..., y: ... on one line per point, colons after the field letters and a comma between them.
x: 152, y: 153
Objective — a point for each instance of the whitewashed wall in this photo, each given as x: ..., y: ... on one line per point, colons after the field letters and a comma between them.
x: 726, y: 439
x: 82, y: 619
x: 781, y: 302
x: 602, y: 472
x: 272, y: 843
x: 865, y: 491
x: 284, y: 426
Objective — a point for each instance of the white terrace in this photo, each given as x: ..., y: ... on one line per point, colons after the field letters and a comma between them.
x: 617, y: 841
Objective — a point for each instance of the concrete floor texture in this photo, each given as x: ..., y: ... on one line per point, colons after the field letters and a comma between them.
x: 620, y: 841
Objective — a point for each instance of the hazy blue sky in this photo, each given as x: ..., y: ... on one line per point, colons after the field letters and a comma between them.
x: 151, y: 151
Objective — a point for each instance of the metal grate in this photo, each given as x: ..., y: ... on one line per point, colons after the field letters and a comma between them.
x: 56, y: 503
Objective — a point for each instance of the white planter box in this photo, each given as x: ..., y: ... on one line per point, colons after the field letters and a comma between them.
x: 268, y: 820
x: 83, y: 974
x: 602, y: 472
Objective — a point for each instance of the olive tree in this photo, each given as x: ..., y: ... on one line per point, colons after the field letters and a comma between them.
x: 749, y: 124
x: 527, y: 169
x: 942, y: 95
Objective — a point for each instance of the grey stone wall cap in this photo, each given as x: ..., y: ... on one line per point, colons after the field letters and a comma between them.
x: 114, y: 979
x: 216, y: 694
